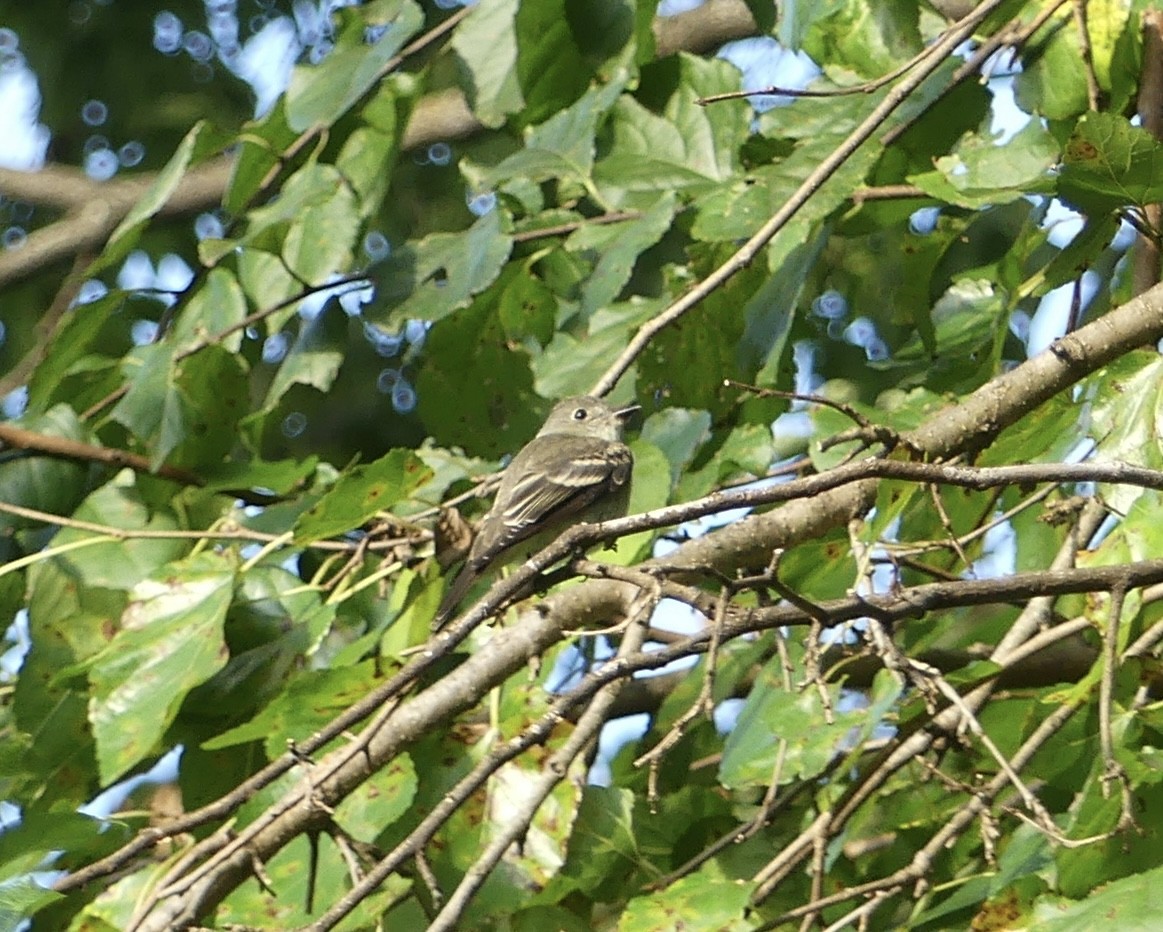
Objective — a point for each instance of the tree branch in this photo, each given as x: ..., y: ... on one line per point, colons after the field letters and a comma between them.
x: 94, y: 209
x: 1145, y: 260
x: 927, y: 64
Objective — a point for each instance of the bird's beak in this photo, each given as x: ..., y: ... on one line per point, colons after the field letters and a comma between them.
x: 624, y: 413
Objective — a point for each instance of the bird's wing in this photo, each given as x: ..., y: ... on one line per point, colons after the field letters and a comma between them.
x: 584, y: 470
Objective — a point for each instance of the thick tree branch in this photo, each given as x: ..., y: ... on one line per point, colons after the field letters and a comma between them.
x: 332, y: 779
x: 94, y: 209
x: 967, y: 426
x: 18, y: 438
x: 746, y: 543
x: 1145, y: 260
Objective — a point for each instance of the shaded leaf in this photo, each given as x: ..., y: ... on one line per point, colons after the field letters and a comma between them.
x: 436, y: 276
x: 309, y: 702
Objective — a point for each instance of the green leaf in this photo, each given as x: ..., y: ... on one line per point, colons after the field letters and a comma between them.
x: 563, y: 146
x: 380, y: 800
x: 1106, y: 24
x: 680, y: 146
x: 703, y: 901
x: 320, y: 94
x: 965, y: 320
x: 1027, y: 853
x: 745, y: 450
x: 267, y: 282
x: 313, y: 222
x: 770, y: 314
x: 771, y: 713
x: 687, y: 361
x: 745, y: 200
x: 369, y: 154
x: 1108, y: 164
x: 550, y: 66
x: 1142, y: 528
x: 149, y: 406
x: 1053, y: 78
x: 798, y: 718
x: 476, y: 392
x: 115, y: 908
x: 315, y: 356
x: 647, y: 154
x: 526, y: 308
x: 171, y: 639
x: 1080, y: 254
x: 322, y: 243
x: 217, y: 306
x: 764, y: 15
x: 1130, y: 904
x: 980, y: 172
x: 20, y: 898
x: 360, y: 493
x: 87, y: 334
x: 280, y: 477
x: 604, y: 842
x: 68, y: 623
x: 183, y: 410
x: 607, y: 32
x: 310, y: 701
x: 436, y: 276
x: 274, y: 622
x: 486, y: 44
x: 260, y: 149
x: 28, y: 845
x: 199, y: 143
x: 867, y: 36
x: 618, y: 246
x: 118, y: 564
x: 1125, y: 419
x: 678, y: 433
x: 572, y: 363
x: 44, y: 483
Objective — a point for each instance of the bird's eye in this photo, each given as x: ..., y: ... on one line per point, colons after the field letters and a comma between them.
x: 580, y: 414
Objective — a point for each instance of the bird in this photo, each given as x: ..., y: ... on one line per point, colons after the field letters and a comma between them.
x: 576, y: 469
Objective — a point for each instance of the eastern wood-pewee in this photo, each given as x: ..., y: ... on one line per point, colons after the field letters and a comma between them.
x: 575, y: 470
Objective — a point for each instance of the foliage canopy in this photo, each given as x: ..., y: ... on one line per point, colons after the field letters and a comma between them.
x: 919, y: 681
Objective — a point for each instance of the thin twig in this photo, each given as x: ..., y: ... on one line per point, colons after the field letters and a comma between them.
x: 703, y: 704
x: 929, y: 62
x: 1093, y: 91
x: 1110, y: 663
x: 924, y: 858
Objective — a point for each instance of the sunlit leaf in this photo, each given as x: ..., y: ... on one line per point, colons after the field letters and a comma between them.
x: 362, y: 492
x: 170, y: 641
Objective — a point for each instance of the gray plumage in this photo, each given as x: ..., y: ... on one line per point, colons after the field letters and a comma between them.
x: 575, y: 470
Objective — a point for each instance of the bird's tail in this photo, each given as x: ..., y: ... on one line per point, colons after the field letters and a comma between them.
x: 455, y: 594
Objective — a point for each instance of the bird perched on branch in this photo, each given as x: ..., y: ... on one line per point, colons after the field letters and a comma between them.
x: 575, y: 470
